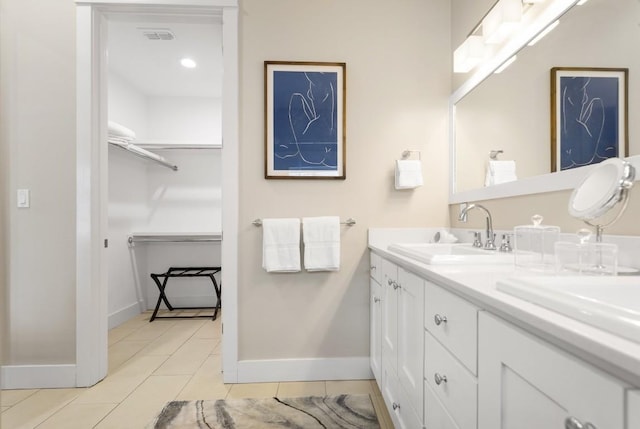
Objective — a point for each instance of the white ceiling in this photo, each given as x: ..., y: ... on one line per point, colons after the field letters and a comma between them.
x: 153, y: 66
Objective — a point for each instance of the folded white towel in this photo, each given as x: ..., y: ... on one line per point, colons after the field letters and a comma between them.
x: 120, y: 131
x: 321, y: 237
x: 502, y: 166
x: 281, y: 245
x: 408, y: 173
x: 500, y: 172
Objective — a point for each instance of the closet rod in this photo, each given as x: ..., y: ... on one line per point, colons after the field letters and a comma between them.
x: 176, y: 239
x: 348, y: 222
x: 136, y: 150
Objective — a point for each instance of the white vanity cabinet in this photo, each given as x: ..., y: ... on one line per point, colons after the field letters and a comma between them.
x: 526, y: 383
x: 402, y: 345
x: 375, y: 318
x: 444, y: 363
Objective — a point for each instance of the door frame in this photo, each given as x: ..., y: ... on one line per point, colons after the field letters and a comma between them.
x: 92, y: 168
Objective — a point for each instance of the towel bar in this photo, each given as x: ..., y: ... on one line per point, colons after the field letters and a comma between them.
x: 348, y: 222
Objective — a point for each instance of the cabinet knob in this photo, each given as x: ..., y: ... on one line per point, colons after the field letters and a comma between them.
x: 376, y: 299
x: 390, y: 282
x: 373, y: 267
x: 395, y: 406
x: 396, y: 285
x: 438, y: 319
x: 441, y: 379
x: 573, y: 423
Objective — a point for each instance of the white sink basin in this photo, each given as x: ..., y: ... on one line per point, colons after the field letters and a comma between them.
x: 450, y: 254
x: 607, y: 302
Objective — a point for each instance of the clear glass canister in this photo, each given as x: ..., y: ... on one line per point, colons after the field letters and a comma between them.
x: 586, y: 258
x: 534, y: 245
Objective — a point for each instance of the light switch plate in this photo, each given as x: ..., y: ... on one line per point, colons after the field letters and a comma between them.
x: 23, y: 198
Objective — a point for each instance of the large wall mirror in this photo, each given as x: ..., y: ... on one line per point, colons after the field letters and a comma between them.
x: 511, y: 111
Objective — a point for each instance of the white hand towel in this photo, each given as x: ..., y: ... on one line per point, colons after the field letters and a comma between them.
x: 500, y: 172
x: 408, y: 173
x: 321, y: 237
x: 120, y: 131
x: 281, y: 245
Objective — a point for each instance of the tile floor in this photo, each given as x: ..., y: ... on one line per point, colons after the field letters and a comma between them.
x: 149, y: 365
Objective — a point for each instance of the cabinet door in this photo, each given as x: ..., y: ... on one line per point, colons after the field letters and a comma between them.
x: 633, y: 410
x: 411, y: 337
x: 375, y: 329
x: 389, y: 314
x: 375, y: 270
x: 402, y: 414
x: 526, y: 383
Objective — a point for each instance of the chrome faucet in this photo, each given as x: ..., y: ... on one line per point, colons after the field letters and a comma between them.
x: 490, y: 244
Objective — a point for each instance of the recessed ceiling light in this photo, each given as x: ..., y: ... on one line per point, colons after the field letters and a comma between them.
x: 188, y: 63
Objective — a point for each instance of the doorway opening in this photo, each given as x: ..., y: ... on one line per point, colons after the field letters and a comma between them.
x: 132, y: 85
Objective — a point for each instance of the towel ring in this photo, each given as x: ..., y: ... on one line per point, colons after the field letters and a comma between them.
x: 407, y: 153
x: 494, y: 154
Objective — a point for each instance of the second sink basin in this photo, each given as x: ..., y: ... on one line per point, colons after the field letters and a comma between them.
x: 608, y: 302
x: 450, y: 254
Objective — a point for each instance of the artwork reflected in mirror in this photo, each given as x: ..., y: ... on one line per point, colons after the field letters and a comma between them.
x: 588, y: 116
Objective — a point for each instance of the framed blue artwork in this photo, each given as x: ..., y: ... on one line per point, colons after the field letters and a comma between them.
x: 304, y: 120
x: 589, y: 109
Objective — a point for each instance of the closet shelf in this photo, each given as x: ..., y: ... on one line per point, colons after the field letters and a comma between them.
x: 174, y: 237
x: 175, y: 144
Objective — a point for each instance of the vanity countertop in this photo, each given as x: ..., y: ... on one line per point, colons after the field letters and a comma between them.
x: 477, y: 283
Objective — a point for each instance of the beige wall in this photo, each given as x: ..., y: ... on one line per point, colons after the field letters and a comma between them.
x: 37, y: 78
x: 398, y: 84
x: 398, y: 81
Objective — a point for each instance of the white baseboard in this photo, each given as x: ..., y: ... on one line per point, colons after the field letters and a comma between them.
x: 259, y: 371
x: 38, y: 376
x: 125, y: 314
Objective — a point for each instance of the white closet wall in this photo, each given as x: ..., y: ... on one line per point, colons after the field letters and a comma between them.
x: 185, y: 118
x: 147, y: 197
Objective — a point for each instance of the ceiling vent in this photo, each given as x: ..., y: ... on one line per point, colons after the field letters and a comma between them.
x: 157, y: 33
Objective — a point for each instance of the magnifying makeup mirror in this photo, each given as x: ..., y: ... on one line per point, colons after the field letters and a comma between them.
x: 604, y: 187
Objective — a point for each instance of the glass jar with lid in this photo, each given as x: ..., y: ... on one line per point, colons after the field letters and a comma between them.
x: 534, y: 245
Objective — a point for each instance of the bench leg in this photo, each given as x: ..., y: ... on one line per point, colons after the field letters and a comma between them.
x: 218, y: 290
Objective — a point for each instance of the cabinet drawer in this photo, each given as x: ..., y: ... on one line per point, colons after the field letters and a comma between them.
x: 435, y: 415
x: 457, y: 388
x: 454, y: 322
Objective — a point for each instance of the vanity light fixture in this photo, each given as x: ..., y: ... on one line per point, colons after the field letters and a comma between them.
x: 506, y: 64
x: 468, y: 55
x: 502, y: 20
x: 188, y: 63
x: 544, y: 33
